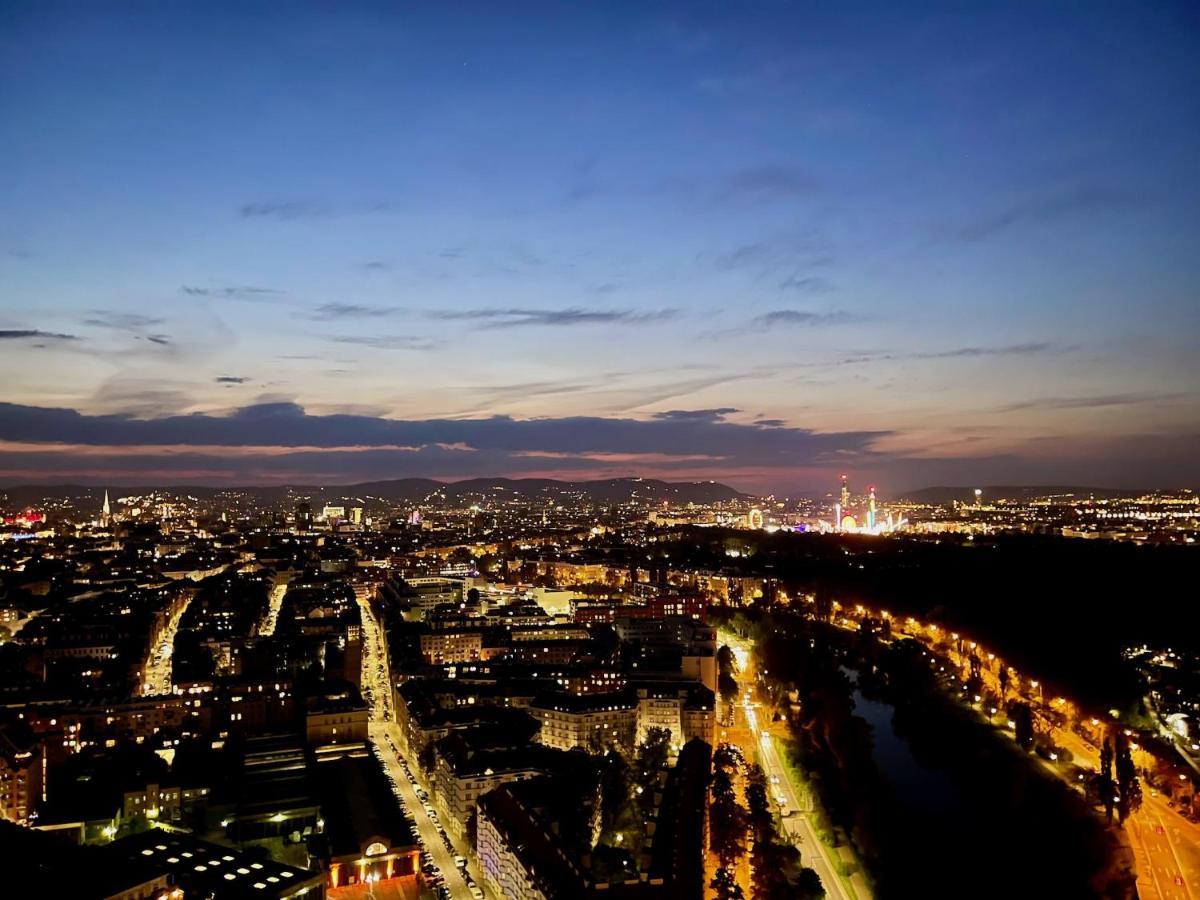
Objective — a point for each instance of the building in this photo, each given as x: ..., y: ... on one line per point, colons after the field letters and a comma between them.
x: 21, y: 765
x: 525, y: 853
x: 685, y: 710
x: 153, y: 865
x: 200, y: 869
x: 463, y: 774
x: 440, y: 647
x: 336, y: 717
x: 518, y: 851
x: 365, y: 839
x: 587, y: 721
x: 275, y: 795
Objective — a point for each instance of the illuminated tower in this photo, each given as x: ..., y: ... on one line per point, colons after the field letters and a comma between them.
x: 871, y: 510
x: 845, y: 496
x: 105, y: 511
x: 978, y: 497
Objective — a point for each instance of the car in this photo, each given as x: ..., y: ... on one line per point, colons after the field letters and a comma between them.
x: 475, y: 891
x: 460, y: 861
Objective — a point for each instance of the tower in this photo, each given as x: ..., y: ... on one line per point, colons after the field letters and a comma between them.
x: 105, y: 511
x: 845, y: 495
x: 871, y: 509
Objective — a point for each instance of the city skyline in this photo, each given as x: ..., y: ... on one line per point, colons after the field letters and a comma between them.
x: 759, y: 245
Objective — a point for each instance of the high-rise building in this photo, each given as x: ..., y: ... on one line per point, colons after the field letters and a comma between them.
x: 304, y: 517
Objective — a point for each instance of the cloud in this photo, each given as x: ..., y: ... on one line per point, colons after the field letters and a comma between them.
x: 374, y: 265
x: 283, y: 209
x: 22, y: 334
x: 1094, y: 401
x: 516, y: 317
x: 232, y: 292
x: 351, y: 311
x: 286, y: 424
x: 764, y: 183
x: 808, y: 284
x: 387, y: 342
x: 1025, y: 349
x: 802, y: 317
x: 101, y: 318
x: 230, y: 379
x: 158, y: 339
x: 790, y: 261
x: 291, y: 210
x: 697, y: 415
x: 1057, y: 207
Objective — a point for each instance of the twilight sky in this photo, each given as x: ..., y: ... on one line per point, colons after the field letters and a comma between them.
x: 754, y: 242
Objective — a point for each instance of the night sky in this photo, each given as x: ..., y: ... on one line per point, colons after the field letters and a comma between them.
x: 755, y: 242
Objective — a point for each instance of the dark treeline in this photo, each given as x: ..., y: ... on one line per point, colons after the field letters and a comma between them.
x: 1003, y: 827
x: 1058, y: 608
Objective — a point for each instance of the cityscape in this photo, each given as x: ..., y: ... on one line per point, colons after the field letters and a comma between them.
x: 531, y: 689
x: 599, y: 451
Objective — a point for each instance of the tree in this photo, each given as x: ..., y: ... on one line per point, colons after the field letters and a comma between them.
x: 727, y: 820
x: 725, y: 660
x: 727, y: 686
x: 1129, y: 790
x: 758, y: 802
x: 807, y: 886
x: 1022, y: 717
x: 726, y: 885
x: 1104, y: 780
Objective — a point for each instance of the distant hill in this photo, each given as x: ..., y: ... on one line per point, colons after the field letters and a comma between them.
x: 946, y: 495
x: 416, y: 490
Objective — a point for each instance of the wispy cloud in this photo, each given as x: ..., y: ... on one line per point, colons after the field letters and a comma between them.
x: 1056, y: 207
x: 1094, y: 401
x: 232, y: 292
x: 518, y: 317
x: 387, y: 342
x: 697, y: 415
x: 764, y: 183
x: 102, y: 318
x: 1026, y: 349
x: 351, y: 311
x: 25, y: 334
x: 291, y: 210
x: 803, y: 317
x: 230, y: 379
x: 283, y: 209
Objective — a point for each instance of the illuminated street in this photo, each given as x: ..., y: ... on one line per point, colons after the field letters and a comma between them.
x: 1166, y: 845
x: 384, y: 736
x: 755, y: 740
x: 156, y: 677
x: 274, y: 603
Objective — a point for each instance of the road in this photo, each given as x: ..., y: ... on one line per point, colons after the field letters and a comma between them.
x: 797, y: 826
x: 274, y: 604
x: 384, y: 734
x: 156, y: 675
x: 1166, y: 846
